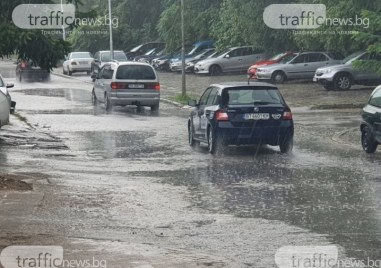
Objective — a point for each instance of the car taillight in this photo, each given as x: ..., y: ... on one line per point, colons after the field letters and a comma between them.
x: 24, y: 65
x: 221, y: 115
x: 156, y: 86
x: 287, y: 115
x: 73, y: 63
x: 117, y: 85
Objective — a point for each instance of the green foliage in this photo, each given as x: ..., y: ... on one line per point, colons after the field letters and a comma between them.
x: 44, y: 50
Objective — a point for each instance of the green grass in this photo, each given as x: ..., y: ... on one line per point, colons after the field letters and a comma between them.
x: 184, y: 99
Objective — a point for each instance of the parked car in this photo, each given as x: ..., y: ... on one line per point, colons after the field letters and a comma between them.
x: 150, y: 55
x: 343, y: 76
x: 189, y: 66
x: 371, y: 122
x: 303, y: 66
x: 126, y: 83
x: 279, y: 58
x: 77, y: 62
x: 176, y: 64
x: 235, y: 59
x: 104, y: 56
x: 28, y: 70
x: 7, y: 106
x: 240, y: 113
x: 144, y: 48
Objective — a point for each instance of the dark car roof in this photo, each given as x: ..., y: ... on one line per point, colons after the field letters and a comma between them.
x: 244, y: 84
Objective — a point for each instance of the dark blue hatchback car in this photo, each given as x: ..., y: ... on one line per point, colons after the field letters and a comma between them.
x: 241, y: 114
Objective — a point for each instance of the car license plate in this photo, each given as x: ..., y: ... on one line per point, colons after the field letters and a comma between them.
x: 135, y: 85
x: 83, y: 62
x: 257, y: 116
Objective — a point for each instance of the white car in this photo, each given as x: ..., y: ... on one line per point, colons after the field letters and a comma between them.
x: 236, y: 59
x: 77, y: 62
x: 6, y: 104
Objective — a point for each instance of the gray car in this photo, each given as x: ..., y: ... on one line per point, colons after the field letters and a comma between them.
x: 236, y: 59
x: 126, y: 83
x: 343, y: 76
x: 302, y: 66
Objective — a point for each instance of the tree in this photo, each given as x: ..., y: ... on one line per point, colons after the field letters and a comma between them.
x: 43, y: 50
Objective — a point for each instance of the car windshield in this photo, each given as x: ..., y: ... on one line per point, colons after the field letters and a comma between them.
x: 118, y: 55
x: 135, y: 72
x: 352, y: 57
x: 288, y: 58
x: 135, y: 49
x: 251, y: 96
x: 79, y: 55
x: 222, y: 53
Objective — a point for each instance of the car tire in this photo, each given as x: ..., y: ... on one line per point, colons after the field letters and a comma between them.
x: 367, y: 141
x: 215, y: 70
x: 94, y: 99
x: 108, y: 104
x: 329, y: 86
x: 214, y: 142
x: 343, y: 81
x: 70, y: 72
x: 155, y: 108
x: 286, y: 145
x: 278, y: 77
x: 191, y: 140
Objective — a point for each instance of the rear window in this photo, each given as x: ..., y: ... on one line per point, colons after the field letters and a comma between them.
x: 135, y: 72
x: 249, y: 96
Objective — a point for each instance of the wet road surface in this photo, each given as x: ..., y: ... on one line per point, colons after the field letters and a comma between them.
x: 125, y: 186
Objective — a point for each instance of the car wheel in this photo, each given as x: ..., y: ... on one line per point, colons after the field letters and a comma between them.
x: 155, y: 108
x: 215, y: 70
x: 278, y: 77
x: 214, y: 142
x: 367, y: 141
x: 329, y: 86
x: 108, y: 104
x: 343, y: 81
x: 286, y: 145
x: 191, y: 140
x: 94, y: 100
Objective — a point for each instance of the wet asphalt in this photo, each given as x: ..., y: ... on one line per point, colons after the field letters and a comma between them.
x: 126, y: 187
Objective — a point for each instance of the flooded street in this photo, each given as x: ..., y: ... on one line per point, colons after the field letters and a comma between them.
x: 124, y: 186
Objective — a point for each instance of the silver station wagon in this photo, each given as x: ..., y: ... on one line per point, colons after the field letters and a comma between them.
x: 126, y: 83
x: 303, y: 66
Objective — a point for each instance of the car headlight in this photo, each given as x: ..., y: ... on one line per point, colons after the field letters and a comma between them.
x: 262, y: 70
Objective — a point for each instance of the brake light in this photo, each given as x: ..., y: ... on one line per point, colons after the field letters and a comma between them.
x: 222, y: 116
x: 24, y: 65
x: 73, y: 63
x: 117, y: 85
x: 156, y: 86
x: 287, y: 115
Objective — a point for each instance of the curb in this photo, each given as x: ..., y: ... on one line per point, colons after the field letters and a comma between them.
x: 174, y: 103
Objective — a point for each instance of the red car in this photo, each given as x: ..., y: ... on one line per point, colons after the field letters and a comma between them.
x: 283, y: 57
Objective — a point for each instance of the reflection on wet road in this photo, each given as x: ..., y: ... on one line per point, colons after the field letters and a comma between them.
x: 325, y: 187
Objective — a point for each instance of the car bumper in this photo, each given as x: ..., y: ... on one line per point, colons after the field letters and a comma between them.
x: 264, y: 76
x: 140, y: 101
x: 271, y: 135
x: 201, y: 70
x: 323, y: 79
x: 80, y: 68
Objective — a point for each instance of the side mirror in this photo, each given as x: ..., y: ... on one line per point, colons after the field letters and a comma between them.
x: 9, y: 85
x: 192, y: 103
x: 227, y: 56
x: 94, y: 76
